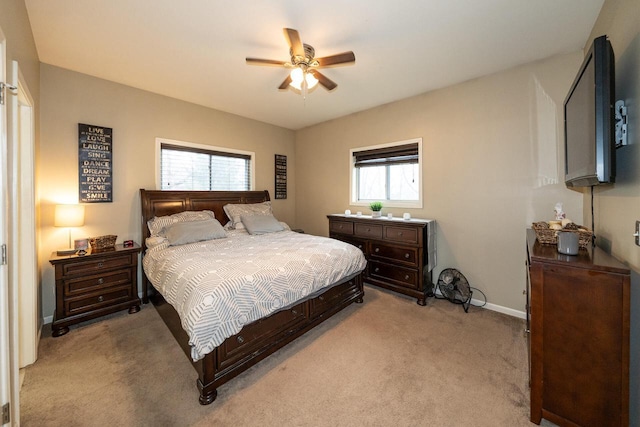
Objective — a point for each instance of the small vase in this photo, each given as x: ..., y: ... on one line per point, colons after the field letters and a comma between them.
x: 376, y: 214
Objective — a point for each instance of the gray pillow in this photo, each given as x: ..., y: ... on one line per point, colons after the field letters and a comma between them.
x: 182, y: 233
x: 261, y: 224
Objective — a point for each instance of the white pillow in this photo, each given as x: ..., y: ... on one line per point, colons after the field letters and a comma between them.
x: 261, y: 224
x: 182, y: 233
x: 159, y: 223
x: 235, y: 212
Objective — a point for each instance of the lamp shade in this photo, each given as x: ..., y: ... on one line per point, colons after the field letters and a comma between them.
x: 69, y: 216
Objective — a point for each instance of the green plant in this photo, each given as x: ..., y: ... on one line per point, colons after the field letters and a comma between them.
x: 376, y: 206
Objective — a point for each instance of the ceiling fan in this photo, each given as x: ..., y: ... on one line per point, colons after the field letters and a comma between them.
x: 304, y: 74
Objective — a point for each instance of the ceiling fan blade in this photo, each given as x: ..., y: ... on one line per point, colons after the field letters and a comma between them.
x: 340, y: 58
x: 285, y: 83
x: 324, y: 80
x: 259, y: 61
x: 293, y: 39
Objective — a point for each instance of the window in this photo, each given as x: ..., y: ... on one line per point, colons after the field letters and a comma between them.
x: 390, y: 173
x: 186, y: 166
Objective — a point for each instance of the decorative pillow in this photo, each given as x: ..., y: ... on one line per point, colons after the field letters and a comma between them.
x: 154, y: 241
x: 158, y: 223
x: 182, y: 233
x: 261, y: 224
x: 235, y: 212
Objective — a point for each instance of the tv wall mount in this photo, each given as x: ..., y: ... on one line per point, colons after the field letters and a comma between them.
x: 621, y: 124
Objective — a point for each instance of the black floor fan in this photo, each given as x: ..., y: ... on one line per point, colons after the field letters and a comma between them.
x: 453, y: 286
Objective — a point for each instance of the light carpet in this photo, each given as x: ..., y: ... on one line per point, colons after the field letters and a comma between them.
x: 387, y: 362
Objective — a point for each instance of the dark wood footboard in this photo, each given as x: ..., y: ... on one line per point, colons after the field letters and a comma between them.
x: 260, y: 338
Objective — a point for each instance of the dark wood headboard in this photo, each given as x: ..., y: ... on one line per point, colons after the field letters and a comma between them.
x: 160, y: 203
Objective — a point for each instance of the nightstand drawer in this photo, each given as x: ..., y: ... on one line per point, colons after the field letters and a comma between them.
x: 372, y: 231
x: 106, y: 298
x: 408, y: 256
x: 392, y: 273
x: 93, y: 265
x: 401, y: 234
x: 82, y: 285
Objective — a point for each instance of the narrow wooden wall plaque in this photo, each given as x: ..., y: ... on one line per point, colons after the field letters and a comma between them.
x: 281, y: 176
x: 95, y: 165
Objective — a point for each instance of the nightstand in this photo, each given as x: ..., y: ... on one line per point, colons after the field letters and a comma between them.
x: 93, y: 285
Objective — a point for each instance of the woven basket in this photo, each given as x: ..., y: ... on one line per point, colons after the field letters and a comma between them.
x: 549, y: 236
x: 103, y: 242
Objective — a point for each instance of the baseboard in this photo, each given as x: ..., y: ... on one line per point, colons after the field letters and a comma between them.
x: 48, y: 319
x: 493, y: 307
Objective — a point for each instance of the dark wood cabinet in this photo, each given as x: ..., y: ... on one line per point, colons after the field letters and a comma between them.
x: 579, y: 336
x: 400, y: 253
x: 95, y: 284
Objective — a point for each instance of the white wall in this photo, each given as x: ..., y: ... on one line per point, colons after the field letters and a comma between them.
x: 492, y: 165
x: 137, y: 118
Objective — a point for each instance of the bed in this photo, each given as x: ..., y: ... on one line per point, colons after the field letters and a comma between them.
x: 298, y: 299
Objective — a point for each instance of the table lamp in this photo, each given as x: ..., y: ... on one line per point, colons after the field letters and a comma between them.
x: 68, y: 216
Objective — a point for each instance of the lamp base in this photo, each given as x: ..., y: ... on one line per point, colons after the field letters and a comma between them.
x: 69, y: 251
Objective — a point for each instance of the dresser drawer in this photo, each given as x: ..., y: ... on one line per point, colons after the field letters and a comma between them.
x: 358, y: 243
x: 370, y: 231
x: 407, y: 256
x: 82, y: 285
x: 107, y: 297
x: 94, y: 265
x: 341, y: 227
x: 401, y: 276
x: 401, y: 234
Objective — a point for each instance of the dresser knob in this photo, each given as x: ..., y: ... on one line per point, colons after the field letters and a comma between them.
x: 100, y: 265
x: 377, y: 269
x: 240, y: 339
x: 407, y: 256
x: 321, y: 298
x: 368, y: 229
x: 100, y: 281
x: 100, y: 298
x: 406, y: 277
x: 294, y: 312
x: 340, y: 227
x: 400, y: 233
x: 377, y: 250
x: 359, y: 246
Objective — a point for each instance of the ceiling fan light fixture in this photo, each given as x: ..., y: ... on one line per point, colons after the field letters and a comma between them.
x: 311, y: 80
x: 297, y: 77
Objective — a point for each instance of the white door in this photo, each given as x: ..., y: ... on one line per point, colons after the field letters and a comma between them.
x: 5, y: 364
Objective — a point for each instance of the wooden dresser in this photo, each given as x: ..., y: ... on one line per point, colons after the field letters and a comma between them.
x: 93, y: 285
x: 400, y: 253
x: 579, y: 336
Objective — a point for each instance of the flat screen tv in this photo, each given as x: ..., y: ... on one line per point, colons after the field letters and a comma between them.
x: 589, y: 122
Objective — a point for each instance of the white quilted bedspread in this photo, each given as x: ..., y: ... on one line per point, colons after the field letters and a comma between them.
x: 218, y: 286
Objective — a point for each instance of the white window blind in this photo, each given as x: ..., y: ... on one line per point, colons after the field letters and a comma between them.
x: 388, y: 173
x: 189, y: 168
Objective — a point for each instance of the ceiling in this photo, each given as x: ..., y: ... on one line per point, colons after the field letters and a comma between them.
x: 195, y: 50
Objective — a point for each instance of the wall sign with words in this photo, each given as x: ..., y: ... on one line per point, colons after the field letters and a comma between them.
x: 95, y: 166
x: 281, y: 176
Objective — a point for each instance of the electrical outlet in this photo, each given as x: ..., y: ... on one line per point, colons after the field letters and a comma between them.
x: 637, y: 233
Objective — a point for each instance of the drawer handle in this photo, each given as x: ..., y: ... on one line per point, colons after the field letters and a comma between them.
x: 100, y: 298
x: 407, y: 256
x: 377, y: 269
x: 240, y: 339
x: 368, y: 229
x: 294, y: 312
x: 406, y: 277
x: 400, y: 233
x: 340, y: 227
x: 100, y: 264
x: 359, y: 246
x: 100, y: 281
x: 321, y: 298
x: 377, y: 250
